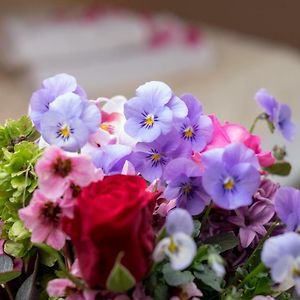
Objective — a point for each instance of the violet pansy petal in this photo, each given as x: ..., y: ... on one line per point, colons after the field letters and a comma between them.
x: 156, y: 92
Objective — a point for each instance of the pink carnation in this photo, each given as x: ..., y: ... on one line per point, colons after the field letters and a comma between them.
x: 56, y: 170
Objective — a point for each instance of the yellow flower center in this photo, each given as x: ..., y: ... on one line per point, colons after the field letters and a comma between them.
x: 187, y: 189
x: 172, y: 246
x: 228, y: 184
x: 155, y: 157
x: 65, y: 131
x: 107, y: 127
x: 149, y: 120
x: 188, y: 133
x: 295, y: 272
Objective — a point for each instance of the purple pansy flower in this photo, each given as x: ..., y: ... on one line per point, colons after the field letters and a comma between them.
x: 195, y: 130
x: 287, y: 207
x: 152, y: 112
x: 251, y: 221
x: 184, y: 179
x: 282, y: 255
x: 52, y: 88
x: 69, y: 122
x: 110, y: 158
x: 179, y: 220
x: 231, y: 176
x: 150, y: 159
x: 278, y: 114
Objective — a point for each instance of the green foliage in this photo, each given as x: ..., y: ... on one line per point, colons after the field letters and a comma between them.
x: 176, y: 278
x: 15, y: 131
x: 209, y: 277
x: 280, y: 168
x: 18, y: 180
x: 225, y: 241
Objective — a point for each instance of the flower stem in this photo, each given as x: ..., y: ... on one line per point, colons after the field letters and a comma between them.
x: 259, y: 117
x: 252, y: 274
x: 8, y: 291
x: 206, y: 215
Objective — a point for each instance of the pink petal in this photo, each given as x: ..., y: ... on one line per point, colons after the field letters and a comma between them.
x: 40, y: 233
x: 84, y: 171
x: 1, y: 246
x: 56, y: 239
x: 57, y: 287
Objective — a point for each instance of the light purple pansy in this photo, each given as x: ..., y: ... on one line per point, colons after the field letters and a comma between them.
x: 184, y: 183
x: 231, y: 175
x: 69, y: 122
x: 287, y: 207
x: 278, y: 114
x: 52, y: 88
x: 179, y: 220
x: 150, y: 159
x: 110, y: 158
x: 195, y: 130
x: 152, y: 111
x: 282, y: 255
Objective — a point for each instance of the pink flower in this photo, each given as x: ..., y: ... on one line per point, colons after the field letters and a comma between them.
x: 1, y: 246
x: 263, y: 298
x: 111, y: 129
x: 56, y: 170
x: 231, y: 133
x: 64, y: 287
x: 43, y: 217
x: 188, y: 291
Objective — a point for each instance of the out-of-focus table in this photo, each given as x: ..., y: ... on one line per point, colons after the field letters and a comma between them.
x: 242, y: 65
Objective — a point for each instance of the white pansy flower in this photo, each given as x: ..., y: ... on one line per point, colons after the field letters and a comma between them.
x: 180, y: 248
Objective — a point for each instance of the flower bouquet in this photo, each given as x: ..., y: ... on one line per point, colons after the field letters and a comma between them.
x: 146, y: 198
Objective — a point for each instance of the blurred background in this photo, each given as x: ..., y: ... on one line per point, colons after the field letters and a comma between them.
x: 220, y: 51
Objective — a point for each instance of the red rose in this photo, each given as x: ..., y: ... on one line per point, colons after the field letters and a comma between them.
x: 112, y: 216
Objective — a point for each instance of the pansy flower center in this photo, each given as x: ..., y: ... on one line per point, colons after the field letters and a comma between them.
x: 187, y: 189
x: 188, y: 133
x: 51, y: 212
x: 295, y: 272
x: 62, y: 167
x: 228, y: 184
x: 64, y: 131
x: 172, y: 246
x: 148, y: 120
x: 156, y: 158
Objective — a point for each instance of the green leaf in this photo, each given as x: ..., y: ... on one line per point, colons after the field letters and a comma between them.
x: 7, y: 272
x: 197, y: 228
x: 18, y: 232
x: 17, y: 249
x: 47, y: 259
x: 161, y: 292
x: 201, y: 255
x: 120, y: 279
x: 280, y: 168
x: 226, y: 241
x: 176, y: 278
x: 209, y: 277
